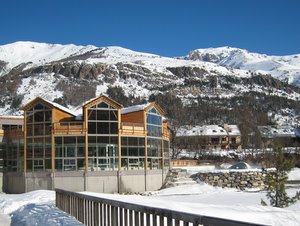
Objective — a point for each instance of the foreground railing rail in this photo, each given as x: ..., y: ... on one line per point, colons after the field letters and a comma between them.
x: 94, y: 211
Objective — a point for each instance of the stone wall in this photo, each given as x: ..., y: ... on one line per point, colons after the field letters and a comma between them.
x: 234, y: 179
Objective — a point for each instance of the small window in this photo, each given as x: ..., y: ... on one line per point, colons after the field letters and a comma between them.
x: 103, y: 105
x: 39, y: 107
x: 153, y: 110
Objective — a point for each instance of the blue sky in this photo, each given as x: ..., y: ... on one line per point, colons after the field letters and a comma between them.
x: 164, y: 27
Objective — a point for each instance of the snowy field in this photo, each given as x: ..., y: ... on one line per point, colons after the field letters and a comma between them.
x: 37, y: 207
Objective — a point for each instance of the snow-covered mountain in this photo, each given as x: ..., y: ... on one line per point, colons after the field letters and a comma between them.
x: 284, y: 68
x: 70, y: 75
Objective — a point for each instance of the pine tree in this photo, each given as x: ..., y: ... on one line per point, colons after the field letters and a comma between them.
x: 276, y: 180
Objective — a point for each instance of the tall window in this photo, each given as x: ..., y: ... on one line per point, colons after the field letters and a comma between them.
x: 69, y: 153
x: 154, y: 123
x: 166, y: 154
x: 38, y: 128
x: 102, y: 137
x: 133, y: 153
x: 154, y: 140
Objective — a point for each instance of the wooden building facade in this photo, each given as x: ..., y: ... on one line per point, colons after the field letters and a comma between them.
x: 103, y: 149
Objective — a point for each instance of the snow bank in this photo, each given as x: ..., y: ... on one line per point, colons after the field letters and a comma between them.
x: 33, y: 208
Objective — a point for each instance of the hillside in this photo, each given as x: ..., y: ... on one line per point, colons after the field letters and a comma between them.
x: 208, y: 86
x: 284, y: 68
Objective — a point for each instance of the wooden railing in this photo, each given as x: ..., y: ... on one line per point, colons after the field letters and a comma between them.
x: 13, y: 133
x: 68, y: 128
x: 181, y: 162
x: 132, y: 128
x: 94, y: 211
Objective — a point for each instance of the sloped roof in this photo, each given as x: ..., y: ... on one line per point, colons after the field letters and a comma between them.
x: 50, y: 104
x: 102, y: 98
x: 233, y: 130
x: 206, y: 130
x: 143, y: 107
x: 278, y: 131
x: 11, y: 120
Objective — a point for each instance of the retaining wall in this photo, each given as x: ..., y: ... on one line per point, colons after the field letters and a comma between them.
x: 234, y: 179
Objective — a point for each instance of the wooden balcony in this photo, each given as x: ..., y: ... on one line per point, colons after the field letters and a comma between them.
x: 12, y: 133
x: 68, y: 128
x: 136, y: 129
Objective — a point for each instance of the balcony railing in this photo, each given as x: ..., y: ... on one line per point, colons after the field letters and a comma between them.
x: 68, y: 128
x: 12, y: 133
x: 132, y: 129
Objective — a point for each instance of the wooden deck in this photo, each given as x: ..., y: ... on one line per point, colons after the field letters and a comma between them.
x: 13, y: 133
x: 136, y: 129
x: 68, y: 128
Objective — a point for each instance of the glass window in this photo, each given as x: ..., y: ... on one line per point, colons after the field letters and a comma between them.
x: 69, y: 140
x: 92, y: 139
x: 113, y: 140
x: 102, y: 151
x: 103, y: 105
x: 133, y: 151
x: 80, y: 151
x: 58, y: 164
x: 102, y: 115
x: 39, y: 116
x: 113, y: 128
x: 29, y: 130
x: 92, y: 127
x: 58, y: 141
x: 70, y: 152
x: 103, y: 140
x: 29, y: 116
x: 114, y: 115
x: 38, y: 107
x: 153, y: 110
x: 48, y: 116
x: 132, y: 141
x: 103, y: 127
x: 92, y: 114
x: 124, y: 141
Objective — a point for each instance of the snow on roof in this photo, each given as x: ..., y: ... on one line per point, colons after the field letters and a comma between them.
x: 278, y: 131
x: 233, y: 130
x: 135, y: 108
x: 60, y: 107
x: 206, y: 130
x: 11, y: 120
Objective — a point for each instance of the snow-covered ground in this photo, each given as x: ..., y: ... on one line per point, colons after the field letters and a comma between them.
x: 37, y: 207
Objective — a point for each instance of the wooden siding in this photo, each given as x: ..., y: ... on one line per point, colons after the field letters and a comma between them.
x: 133, y: 117
x: 58, y: 115
x: 135, y: 129
x: 166, y: 134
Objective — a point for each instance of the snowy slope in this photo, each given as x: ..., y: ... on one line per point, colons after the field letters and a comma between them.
x: 285, y: 68
x: 37, y: 53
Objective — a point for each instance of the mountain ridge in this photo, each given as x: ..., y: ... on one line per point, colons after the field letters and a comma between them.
x: 70, y: 75
x: 284, y: 68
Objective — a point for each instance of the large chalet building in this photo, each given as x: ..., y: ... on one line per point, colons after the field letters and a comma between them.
x: 208, y: 137
x: 107, y: 148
